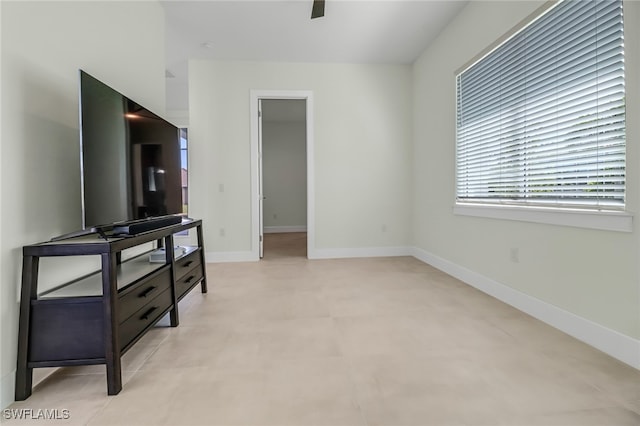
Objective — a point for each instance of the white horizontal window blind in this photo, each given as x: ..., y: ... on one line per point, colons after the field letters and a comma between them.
x: 541, y: 119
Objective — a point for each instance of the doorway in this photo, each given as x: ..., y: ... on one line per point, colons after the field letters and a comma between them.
x: 284, y: 177
x: 282, y: 202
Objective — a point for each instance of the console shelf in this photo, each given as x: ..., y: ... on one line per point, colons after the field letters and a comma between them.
x: 95, y: 319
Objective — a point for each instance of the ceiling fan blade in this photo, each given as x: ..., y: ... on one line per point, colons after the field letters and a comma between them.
x: 318, y: 9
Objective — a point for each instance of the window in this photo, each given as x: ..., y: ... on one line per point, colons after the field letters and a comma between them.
x: 541, y: 118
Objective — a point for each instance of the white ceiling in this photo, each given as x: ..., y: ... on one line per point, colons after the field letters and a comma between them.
x: 352, y: 31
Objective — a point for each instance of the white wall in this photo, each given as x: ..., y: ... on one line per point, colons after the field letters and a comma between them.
x: 362, y: 150
x: 592, y: 274
x: 284, y: 165
x: 43, y: 46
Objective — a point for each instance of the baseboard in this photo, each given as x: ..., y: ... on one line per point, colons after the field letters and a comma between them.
x: 7, y: 387
x: 611, y: 342
x: 284, y: 229
x: 230, y: 256
x: 341, y: 253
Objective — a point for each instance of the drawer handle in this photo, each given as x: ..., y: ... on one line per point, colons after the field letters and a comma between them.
x: 148, y: 291
x: 187, y: 263
x: 147, y: 314
x: 188, y: 280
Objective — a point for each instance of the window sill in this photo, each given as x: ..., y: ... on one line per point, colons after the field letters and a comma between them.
x: 602, y: 220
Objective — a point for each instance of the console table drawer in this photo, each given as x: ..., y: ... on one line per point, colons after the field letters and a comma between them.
x: 187, y: 263
x: 145, y: 316
x: 141, y: 293
x: 190, y: 279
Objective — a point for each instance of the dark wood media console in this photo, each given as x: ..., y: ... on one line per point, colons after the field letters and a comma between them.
x: 95, y: 319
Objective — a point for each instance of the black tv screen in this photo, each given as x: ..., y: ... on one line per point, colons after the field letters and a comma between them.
x: 131, y: 164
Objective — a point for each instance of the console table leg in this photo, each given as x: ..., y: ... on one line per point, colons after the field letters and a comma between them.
x: 203, y: 283
x: 114, y: 378
x: 24, y: 383
x: 24, y: 374
x: 111, y: 333
x: 174, y: 318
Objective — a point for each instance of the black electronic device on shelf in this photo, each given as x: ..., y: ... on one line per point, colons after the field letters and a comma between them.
x: 125, y: 229
x: 138, y: 226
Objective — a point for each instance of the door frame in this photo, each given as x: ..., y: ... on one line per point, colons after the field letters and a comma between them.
x: 255, y: 96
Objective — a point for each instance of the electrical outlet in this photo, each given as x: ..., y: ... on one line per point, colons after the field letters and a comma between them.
x: 514, y: 254
x: 383, y: 228
x: 222, y: 232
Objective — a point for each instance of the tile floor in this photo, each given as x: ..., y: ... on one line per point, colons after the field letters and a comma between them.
x: 387, y: 341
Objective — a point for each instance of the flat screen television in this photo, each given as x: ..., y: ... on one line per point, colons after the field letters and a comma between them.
x: 130, y: 159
